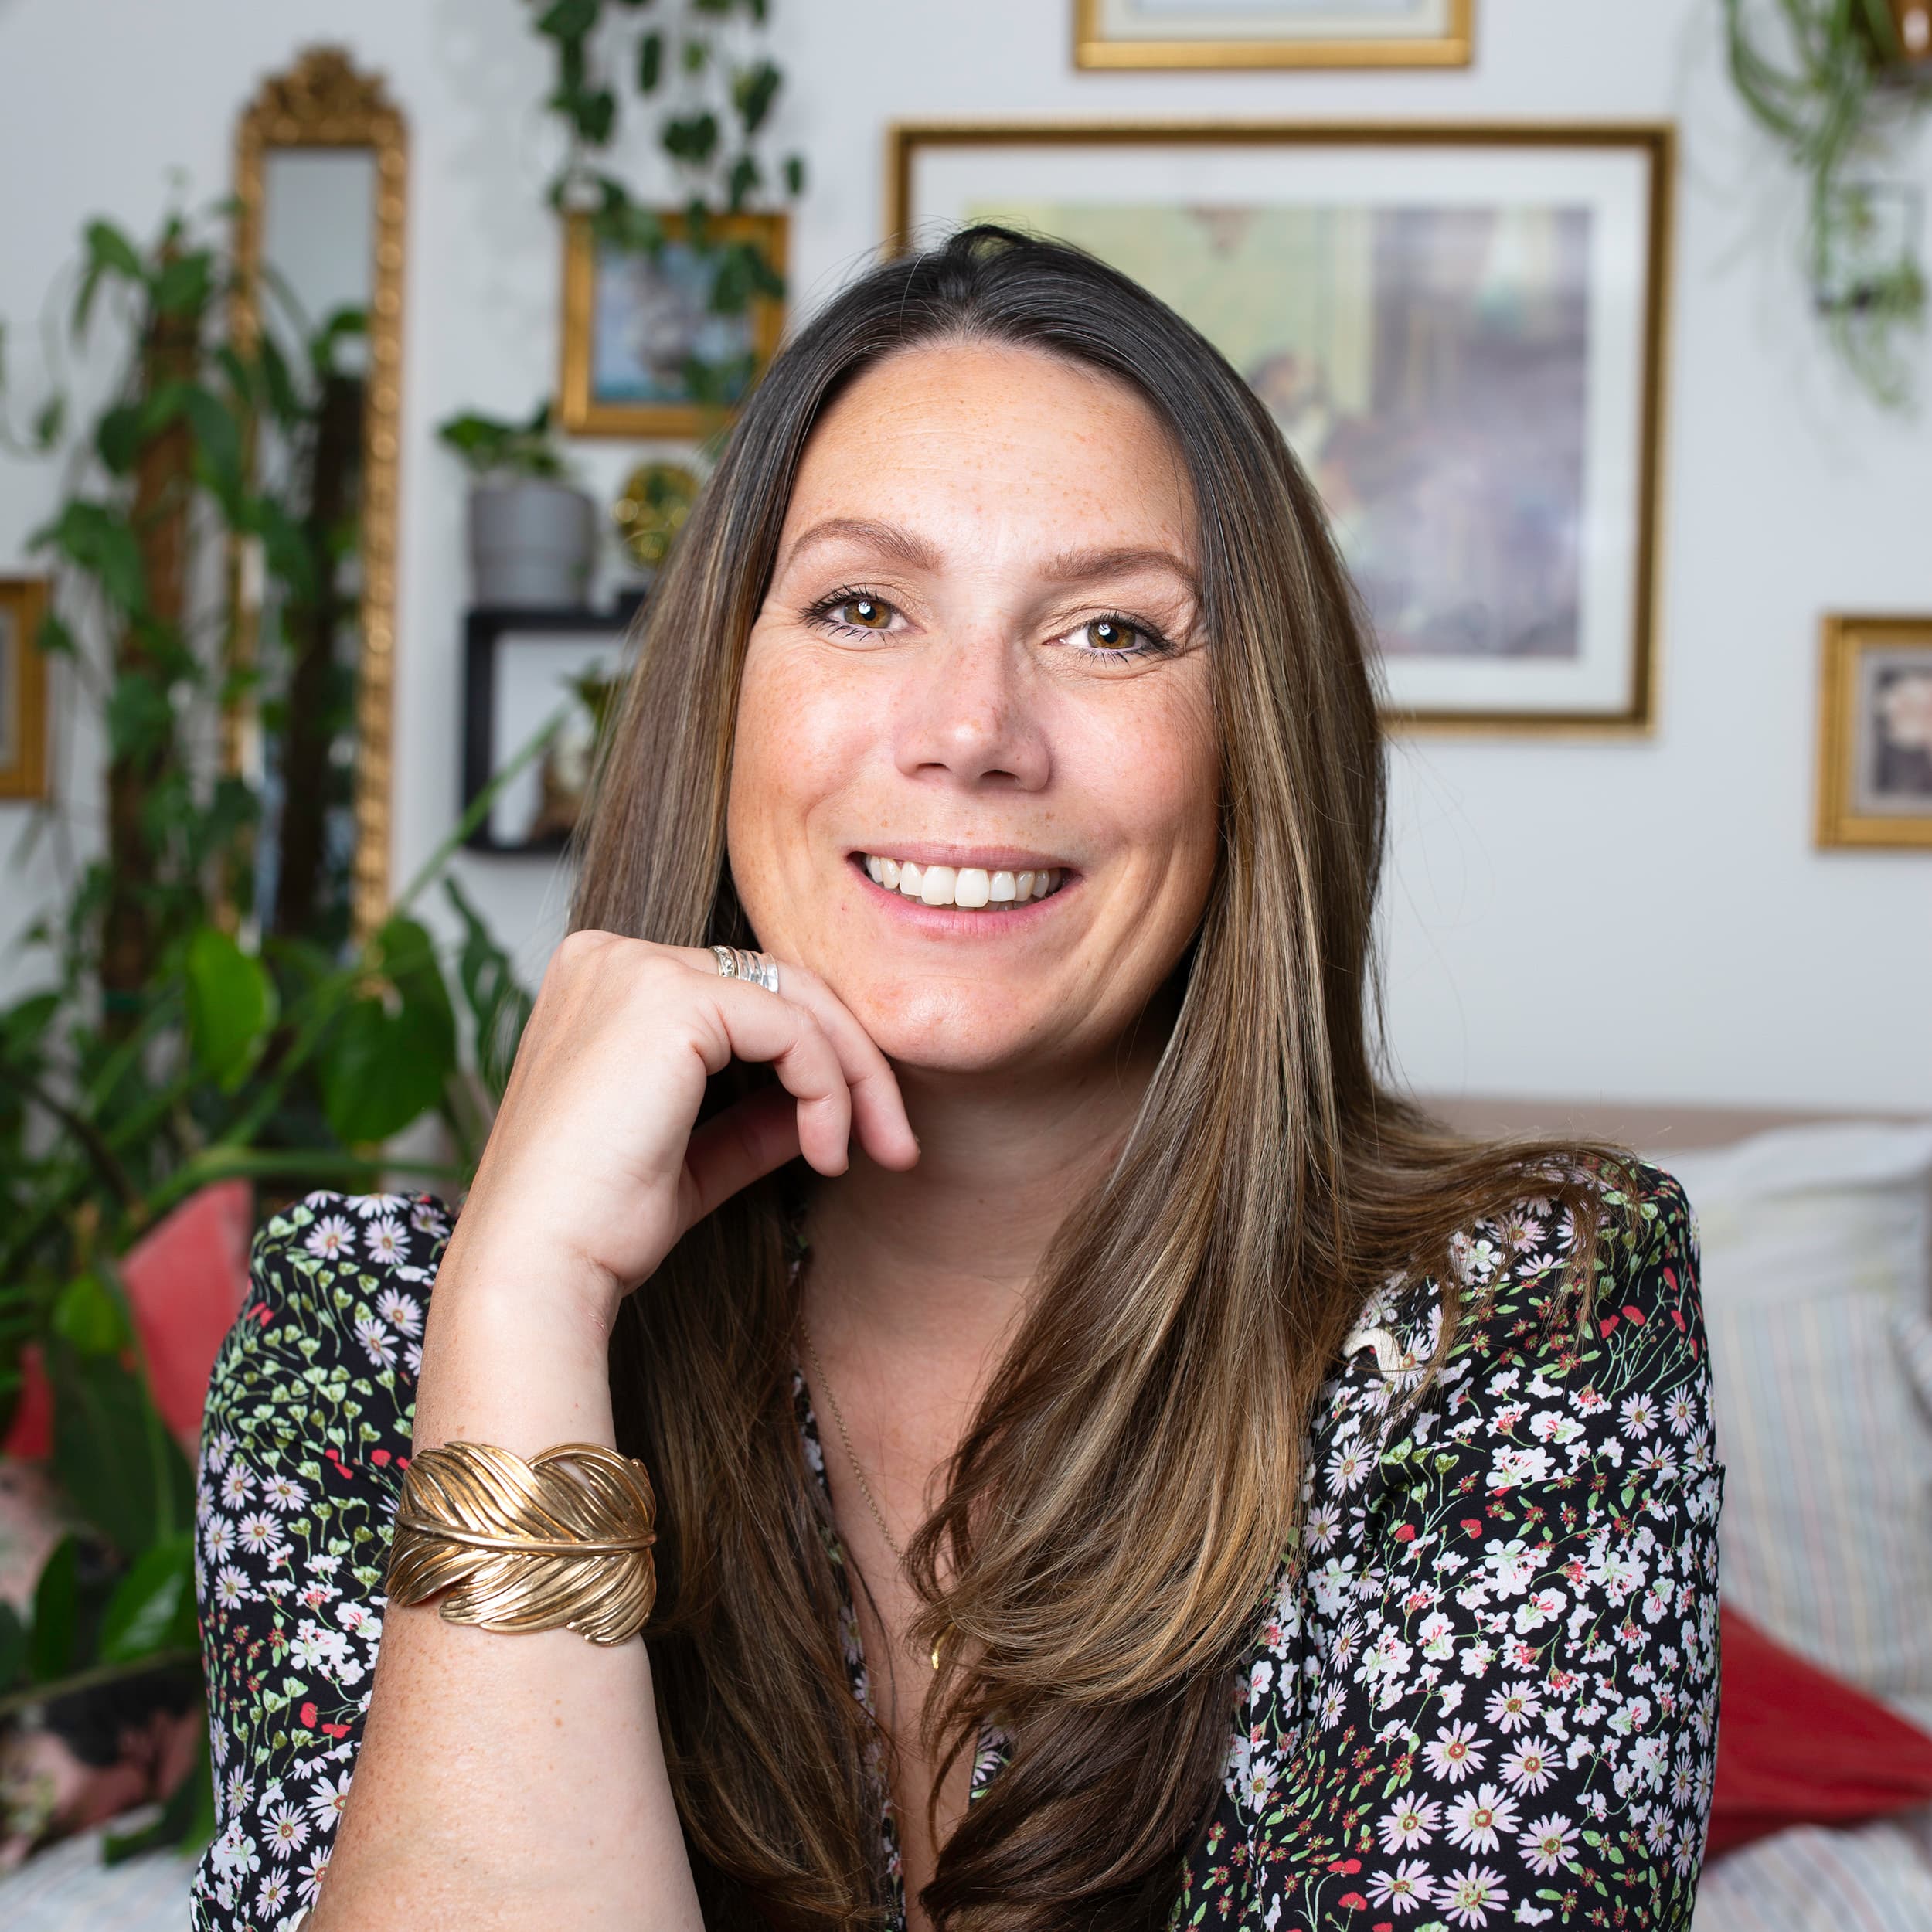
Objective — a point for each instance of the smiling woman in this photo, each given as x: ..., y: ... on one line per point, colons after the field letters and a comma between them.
x: 1250, y: 1504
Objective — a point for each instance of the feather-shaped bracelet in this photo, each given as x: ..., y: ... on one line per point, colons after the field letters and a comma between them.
x: 562, y: 1541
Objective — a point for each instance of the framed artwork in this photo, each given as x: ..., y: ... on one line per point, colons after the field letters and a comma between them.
x: 521, y: 668
x: 1875, y: 732
x: 1459, y: 330
x: 1272, y: 33
x: 23, y: 688
x: 641, y: 343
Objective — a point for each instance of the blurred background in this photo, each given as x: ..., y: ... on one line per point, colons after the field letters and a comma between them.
x: 359, y: 361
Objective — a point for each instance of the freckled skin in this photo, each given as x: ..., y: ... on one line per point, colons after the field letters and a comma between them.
x: 982, y: 717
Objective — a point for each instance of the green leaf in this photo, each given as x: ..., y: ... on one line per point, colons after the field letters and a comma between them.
x: 182, y: 287
x: 650, y: 62
x: 140, y: 719
x: 744, y: 180
x: 794, y: 174
x: 51, y: 1639
x: 153, y: 1606
x: 87, y: 1314
x: 695, y: 54
x: 95, y: 538
x: 54, y: 639
x: 231, y: 1006
x: 217, y: 432
x: 112, y: 1454
x: 753, y: 91
x: 499, y: 1006
x: 48, y: 424
x: 568, y: 19
x: 112, y: 249
x: 691, y: 138
x: 386, y: 1064
x: 13, y: 1647
x: 118, y: 438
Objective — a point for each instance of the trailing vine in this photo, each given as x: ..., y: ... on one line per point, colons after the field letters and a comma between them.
x: 1835, y: 94
x: 704, y: 66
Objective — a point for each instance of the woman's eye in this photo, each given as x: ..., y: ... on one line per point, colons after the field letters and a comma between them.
x: 862, y: 614
x: 1116, y: 638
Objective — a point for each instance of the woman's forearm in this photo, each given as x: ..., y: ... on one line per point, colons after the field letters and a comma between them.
x: 508, y: 1781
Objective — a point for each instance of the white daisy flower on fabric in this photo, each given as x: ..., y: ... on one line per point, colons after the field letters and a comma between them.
x: 1530, y: 1766
x: 1406, y: 1889
x: 1348, y: 1467
x: 286, y: 1833
x: 368, y: 1207
x: 1512, y: 1705
x: 426, y: 1219
x: 401, y: 1311
x: 1456, y: 1751
x: 259, y: 1531
x: 235, y: 1486
x: 1545, y: 1843
x: 310, y: 1874
x: 275, y: 1892
x: 326, y: 1801
x: 1680, y: 1412
x: 283, y: 1493
x: 378, y: 1344
x: 1322, y: 1526
x: 1472, y: 1896
x: 1412, y: 1822
x: 1639, y: 1413
x: 218, y: 1538
x: 385, y: 1241
x: 1477, y: 1818
x: 330, y: 1236
x: 232, y: 1587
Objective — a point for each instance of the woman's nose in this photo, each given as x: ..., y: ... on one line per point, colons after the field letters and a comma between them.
x: 970, y: 712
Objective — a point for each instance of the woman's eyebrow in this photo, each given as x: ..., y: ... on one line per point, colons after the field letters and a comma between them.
x: 895, y: 541
x: 1084, y: 567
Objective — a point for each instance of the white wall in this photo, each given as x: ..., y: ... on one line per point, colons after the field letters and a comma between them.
x: 1633, y: 919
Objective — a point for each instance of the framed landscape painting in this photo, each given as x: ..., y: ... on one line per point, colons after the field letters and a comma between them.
x: 1875, y: 732
x: 1272, y: 33
x: 1459, y: 330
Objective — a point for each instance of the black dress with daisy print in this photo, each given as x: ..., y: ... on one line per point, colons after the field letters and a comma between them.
x: 1483, y: 1693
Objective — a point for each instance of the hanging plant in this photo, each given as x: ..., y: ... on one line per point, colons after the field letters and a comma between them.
x: 705, y: 68
x: 1835, y: 95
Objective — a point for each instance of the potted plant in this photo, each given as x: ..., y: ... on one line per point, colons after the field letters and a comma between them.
x: 533, y: 534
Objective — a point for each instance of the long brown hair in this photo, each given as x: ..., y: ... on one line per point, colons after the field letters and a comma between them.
x: 1118, y: 1512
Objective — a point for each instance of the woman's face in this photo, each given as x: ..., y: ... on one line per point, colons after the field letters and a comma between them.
x: 979, y: 670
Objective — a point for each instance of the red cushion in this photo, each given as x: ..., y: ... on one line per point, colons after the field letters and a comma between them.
x: 1796, y: 1746
x: 185, y: 1278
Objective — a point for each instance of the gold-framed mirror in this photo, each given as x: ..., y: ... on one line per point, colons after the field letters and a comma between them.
x: 320, y: 189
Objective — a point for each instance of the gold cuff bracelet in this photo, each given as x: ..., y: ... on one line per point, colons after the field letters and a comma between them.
x: 562, y: 1541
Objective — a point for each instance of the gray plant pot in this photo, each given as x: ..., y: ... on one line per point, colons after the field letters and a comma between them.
x: 531, y: 544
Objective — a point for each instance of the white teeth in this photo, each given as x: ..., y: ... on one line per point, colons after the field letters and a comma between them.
x: 972, y: 887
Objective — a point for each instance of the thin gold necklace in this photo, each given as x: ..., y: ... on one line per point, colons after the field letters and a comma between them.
x: 858, y: 1469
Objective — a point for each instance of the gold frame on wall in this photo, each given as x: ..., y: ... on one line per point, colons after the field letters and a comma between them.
x: 1454, y: 47
x: 24, y: 776
x: 1637, y: 715
x: 579, y: 412
x: 1839, y: 821
x: 324, y: 102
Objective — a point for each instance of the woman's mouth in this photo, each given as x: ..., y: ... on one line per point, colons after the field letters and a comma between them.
x: 970, y: 888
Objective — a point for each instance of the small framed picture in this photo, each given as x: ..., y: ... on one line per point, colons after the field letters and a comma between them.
x: 1875, y: 732
x: 1458, y: 329
x: 523, y: 669
x: 23, y: 688
x: 1272, y: 33
x: 646, y: 351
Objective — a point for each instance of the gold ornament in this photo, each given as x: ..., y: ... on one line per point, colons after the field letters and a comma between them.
x: 657, y: 499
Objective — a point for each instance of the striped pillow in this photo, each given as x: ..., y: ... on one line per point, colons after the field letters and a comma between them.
x: 1817, y: 1250
x: 1878, y: 1879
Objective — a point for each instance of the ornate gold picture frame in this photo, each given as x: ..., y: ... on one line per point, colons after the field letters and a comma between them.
x: 632, y: 323
x: 325, y: 102
x: 23, y: 688
x: 1459, y: 327
x: 1875, y: 732
x: 1340, y: 33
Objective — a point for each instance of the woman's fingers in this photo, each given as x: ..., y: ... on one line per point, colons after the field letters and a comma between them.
x: 879, y: 1110
x: 746, y: 1141
x: 756, y: 1026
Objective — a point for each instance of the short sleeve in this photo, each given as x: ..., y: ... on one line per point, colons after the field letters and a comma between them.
x: 305, y: 1441
x: 1487, y: 1694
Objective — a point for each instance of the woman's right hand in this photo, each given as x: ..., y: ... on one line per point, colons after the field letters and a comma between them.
x: 596, y: 1165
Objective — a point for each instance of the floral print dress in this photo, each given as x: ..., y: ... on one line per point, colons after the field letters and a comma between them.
x: 1484, y: 1694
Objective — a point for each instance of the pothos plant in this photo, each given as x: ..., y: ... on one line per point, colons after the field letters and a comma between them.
x: 188, y: 1032
x: 704, y: 67
x: 1829, y: 79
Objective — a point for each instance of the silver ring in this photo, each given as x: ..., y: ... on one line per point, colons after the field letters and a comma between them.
x: 735, y: 963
